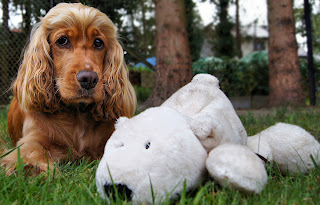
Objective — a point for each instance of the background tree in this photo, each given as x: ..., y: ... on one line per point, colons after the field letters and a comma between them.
x: 315, y: 19
x: 284, y: 69
x: 194, y: 29
x: 238, y: 32
x: 139, y: 35
x: 173, y: 68
x: 312, y: 87
x: 223, y: 43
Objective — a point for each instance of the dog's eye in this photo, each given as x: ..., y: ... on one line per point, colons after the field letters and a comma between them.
x: 98, y: 43
x: 148, y: 145
x: 63, y: 41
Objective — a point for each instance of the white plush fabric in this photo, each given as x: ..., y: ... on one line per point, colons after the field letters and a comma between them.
x: 174, y: 155
x: 238, y: 167
x: 215, y: 121
x: 288, y: 145
x: 167, y: 145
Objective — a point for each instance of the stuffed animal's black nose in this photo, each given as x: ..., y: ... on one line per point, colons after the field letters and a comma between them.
x: 123, y: 191
x: 87, y: 79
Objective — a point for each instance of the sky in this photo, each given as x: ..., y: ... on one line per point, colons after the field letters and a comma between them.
x: 250, y: 10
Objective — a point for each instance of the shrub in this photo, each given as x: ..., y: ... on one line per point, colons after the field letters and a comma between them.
x: 247, y: 76
x: 142, y: 93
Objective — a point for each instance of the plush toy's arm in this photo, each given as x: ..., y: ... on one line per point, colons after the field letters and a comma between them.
x: 213, y: 128
x: 238, y: 167
x: 211, y: 131
x: 290, y: 146
x: 202, y: 125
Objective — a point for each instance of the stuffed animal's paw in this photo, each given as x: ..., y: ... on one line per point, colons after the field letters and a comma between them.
x: 201, y: 126
x: 238, y: 167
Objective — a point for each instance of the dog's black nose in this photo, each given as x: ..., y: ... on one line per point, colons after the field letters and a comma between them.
x: 87, y: 79
x: 122, y: 191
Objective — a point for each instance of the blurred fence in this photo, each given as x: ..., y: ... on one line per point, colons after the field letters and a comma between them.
x: 11, y: 44
x: 17, y: 21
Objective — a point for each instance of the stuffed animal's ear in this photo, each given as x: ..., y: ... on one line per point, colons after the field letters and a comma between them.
x: 120, y: 121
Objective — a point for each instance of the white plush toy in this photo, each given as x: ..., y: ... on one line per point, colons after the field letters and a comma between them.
x: 288, y: 145
x: 152, y: 155
x: 214, y: 120
x: 156, y: 146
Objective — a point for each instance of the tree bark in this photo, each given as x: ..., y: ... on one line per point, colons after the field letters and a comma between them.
x: 312, y: 85
x: 173, y: 69
x: 284, y: 69
x: 223, y: 43
x: 238, y: 33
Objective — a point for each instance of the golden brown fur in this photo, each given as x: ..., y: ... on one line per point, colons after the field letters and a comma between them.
x: 52, y: 110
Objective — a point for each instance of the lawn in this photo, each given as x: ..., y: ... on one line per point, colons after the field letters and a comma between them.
x: 75, y: 182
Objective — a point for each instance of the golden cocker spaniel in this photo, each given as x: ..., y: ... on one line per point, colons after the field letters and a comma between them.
x: 71, y: 87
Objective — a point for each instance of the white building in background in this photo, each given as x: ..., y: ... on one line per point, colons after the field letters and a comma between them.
x: 254, y: 38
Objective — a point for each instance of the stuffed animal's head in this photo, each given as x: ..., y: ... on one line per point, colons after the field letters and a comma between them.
x: 150, y: 156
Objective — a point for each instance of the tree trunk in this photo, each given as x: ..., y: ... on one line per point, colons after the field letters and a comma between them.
x: 238, y: 33
x: 223, y: 44
x: 173, y: 69
x: 144, y: 32
x: 307, y: 18
x: 284, y: 69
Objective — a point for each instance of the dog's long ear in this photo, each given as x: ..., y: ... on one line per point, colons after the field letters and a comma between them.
x: 34, y: 85
x: 120, y: 98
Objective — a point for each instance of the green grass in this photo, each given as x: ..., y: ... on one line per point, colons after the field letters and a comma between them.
x: 75, y: 182
x: 142, y: 93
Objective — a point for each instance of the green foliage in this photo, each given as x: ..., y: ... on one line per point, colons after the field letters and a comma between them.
x: 315, y: 19
x: 140, y: 69
x: 3, y: 126
x: 223, y: 43
x: 142, y: 93
x: 247, y: 76
x: 255, y: 73
x: 74, y: 183
x: 304, y: 72
x: 194, y: 28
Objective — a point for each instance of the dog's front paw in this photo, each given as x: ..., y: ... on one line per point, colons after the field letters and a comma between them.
x: 9, y: 163
x: 31, y: 166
